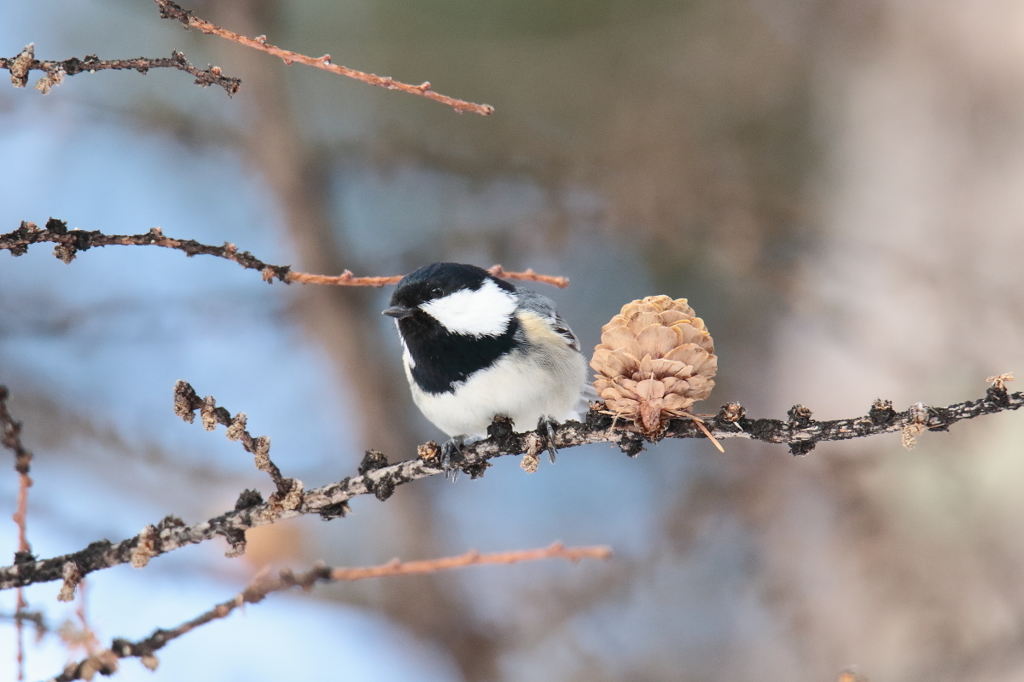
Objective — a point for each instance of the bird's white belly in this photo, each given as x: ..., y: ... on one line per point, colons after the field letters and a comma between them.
x: 523, y: 391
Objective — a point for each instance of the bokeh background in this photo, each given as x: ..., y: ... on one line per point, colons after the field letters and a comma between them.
x: 837, y: 187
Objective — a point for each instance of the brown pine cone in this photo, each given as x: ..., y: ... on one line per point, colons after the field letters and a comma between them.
x: 654, y: 361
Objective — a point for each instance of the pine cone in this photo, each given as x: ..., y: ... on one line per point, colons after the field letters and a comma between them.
x: 655, y: 360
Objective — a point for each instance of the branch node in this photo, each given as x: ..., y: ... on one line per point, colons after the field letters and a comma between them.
x: 801, y: 447
x: 632, y: 444
x: 997, y: 392
x: 881, y: 412
x: 53, y: 78
x: 237, y: 428
x: 799, y: 416
x: 372, y: 461
x: 103, y: 662
x: 211, y: 415
x: 72, y: 575
x: 248, y: 499
x: 428, y: 453
x: 501, y: 429
x: 999, y: 382
x: 186, y: 402
x: 731, y: 412
x: 169, y: 521
x: 918, y: 416
x: 150, y: 661
x: 65, y: 253
x: 476, y: 469
x: 21, y: 65
x: 146, y: 547
x: 382, y: 488
x: 236, y: 540
x: 293, y: 498
x: 334, y: 511
x: 531, y: 458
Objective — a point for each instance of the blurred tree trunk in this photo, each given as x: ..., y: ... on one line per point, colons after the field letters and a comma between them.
x: 343, y: 321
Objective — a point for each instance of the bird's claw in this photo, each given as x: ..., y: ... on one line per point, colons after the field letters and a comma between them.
x: 451, y: 457
x: 547, y: 425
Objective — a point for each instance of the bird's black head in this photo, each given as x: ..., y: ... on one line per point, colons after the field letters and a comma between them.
x: 438, y: 280
x: 454, y: 320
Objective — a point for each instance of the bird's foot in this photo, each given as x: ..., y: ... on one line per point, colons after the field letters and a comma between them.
x: 451, y: 457
x: 547, y: 426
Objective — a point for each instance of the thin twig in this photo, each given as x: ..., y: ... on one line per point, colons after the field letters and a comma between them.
x: 169, y: 10
x: 471, y: 558
x: 80, y: 635
x: 71, y: 242
x: 289, y: 490
x: 345, y: 279
x: 258, y: 590
x: 21, y: 64
x: 799, y: 431
x: 529, y: 276
x: 36, y: 618
x: 19, y: 617
x: 10, y: 438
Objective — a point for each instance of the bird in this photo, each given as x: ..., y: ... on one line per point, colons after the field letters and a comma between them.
x: 476, y: 347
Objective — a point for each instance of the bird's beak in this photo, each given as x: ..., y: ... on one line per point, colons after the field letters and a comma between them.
x: 398, y: 312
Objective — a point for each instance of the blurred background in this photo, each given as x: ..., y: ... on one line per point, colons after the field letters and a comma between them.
x: 836, y: 186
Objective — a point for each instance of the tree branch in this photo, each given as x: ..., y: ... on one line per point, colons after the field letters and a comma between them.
x: 105, y: 662
x: 169, y: 10
x: 10, y: 438
x: 56, y: 71
x: 70, y: 242
x: 799, y: 431
x: 186, y: 402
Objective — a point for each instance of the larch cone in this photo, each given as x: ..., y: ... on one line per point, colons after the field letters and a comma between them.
x: 655, y: 360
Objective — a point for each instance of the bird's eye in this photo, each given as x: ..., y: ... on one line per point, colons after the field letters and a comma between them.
x: 436, y: 292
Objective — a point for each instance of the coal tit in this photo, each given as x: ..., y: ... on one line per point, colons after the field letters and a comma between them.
x: 476, y: 347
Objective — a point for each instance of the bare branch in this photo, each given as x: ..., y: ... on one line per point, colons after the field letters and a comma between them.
x: 10, y: 438
x: 530, y: 276
x: 169, y: 10
x: 799, y: 431
x: 36, y: 618
x: 70, y: 242
x: 258, y: 590
x: 289, y: 490
x: 21, y: 64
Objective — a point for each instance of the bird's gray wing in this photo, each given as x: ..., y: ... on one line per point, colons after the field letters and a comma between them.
x: 545, y: 307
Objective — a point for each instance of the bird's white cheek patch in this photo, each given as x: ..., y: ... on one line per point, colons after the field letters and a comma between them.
x: 484, y: 312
